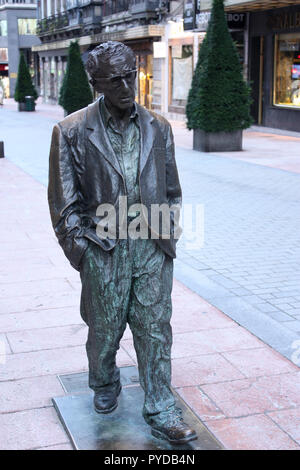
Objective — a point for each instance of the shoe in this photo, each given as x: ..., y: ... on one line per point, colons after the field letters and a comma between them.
x: 176, y: 432
x: 106, y: 400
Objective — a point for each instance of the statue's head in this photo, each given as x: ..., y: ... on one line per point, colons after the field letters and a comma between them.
x: 112, y: 68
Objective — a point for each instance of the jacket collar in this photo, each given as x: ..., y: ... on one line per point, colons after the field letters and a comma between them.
x: 106, y: 115
x: 99, y: 138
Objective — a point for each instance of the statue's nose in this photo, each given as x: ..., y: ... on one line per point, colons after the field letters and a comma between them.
x: 124, y: 82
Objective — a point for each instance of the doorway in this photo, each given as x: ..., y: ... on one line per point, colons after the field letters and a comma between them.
x: 144, y: 80
x: 257, y: 78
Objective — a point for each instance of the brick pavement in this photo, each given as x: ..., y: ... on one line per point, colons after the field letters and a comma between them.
x: 246, y: 393
x: 251, y: 249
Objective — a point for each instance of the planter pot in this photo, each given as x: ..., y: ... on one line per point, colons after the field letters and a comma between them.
x: 217, y: 141
x: 22, y: 106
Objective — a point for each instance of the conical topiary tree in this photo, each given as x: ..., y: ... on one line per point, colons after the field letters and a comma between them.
x: 75, y: 92
x: 61, y: 91
x: 24, y: 85
x: 219, y: 98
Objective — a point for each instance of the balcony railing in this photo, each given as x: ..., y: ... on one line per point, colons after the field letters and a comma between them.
x: 77, y: 3
x: 110, y: 7
x: 73, y: 16
x: 52, y: 23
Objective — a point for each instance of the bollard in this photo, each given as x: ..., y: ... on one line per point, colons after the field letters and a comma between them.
x: 1, y: 149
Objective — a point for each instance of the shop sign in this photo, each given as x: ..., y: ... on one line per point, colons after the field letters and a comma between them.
x: 289, y: 45
x: 202, y: 20
x: 189, y: 15
x: 177, y: 51
x: 234, y: 20
x: 159, y: 50
x: 284, y: 21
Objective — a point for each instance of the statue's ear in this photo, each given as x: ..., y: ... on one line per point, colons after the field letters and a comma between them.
x: 97, y: 86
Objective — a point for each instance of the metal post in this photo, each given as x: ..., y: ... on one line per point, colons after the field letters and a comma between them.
x: 1, y: 149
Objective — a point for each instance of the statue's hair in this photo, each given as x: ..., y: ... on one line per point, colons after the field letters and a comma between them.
x: 100, y: 56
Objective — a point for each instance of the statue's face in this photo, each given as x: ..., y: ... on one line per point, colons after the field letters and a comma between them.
x: 117, y: 82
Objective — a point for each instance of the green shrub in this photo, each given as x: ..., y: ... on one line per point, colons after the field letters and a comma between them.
x: 75, y: 92
x: 219, y: 98
x: 24, y: 85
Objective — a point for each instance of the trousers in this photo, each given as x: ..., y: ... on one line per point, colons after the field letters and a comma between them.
x: 130, y: 284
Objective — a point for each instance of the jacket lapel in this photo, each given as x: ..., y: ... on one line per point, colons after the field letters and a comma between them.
x: 98, y: 136
x: 147, y: 135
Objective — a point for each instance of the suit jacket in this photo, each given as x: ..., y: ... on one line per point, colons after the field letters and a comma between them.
x: 84, y: 172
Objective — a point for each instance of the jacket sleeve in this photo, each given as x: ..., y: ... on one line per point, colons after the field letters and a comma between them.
x: 174, y: 194
x: 64, y: 199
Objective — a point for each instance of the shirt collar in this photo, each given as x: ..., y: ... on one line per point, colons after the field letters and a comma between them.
x: 106, y: 115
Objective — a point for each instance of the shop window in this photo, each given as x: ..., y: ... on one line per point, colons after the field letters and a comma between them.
x: 144, y: 83
x: 26, y: 26
x: 3, y: 54
x: 287, y: 70
x: 182, y: 73
x: 3, y: 28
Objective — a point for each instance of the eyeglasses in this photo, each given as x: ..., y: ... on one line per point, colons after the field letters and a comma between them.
x: 116, y: 80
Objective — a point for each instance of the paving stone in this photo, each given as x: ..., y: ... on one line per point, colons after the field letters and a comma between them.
x: 40, y: 363
x: 212, y: 341
x: 252, y: 299
x: 31, y: 429
x: 267, y: 297
x: 240, y: 291
x: 5, y: 348
x: 36, y: 392
x: 223, y: 281
x: 33, y: 288
x: 197, y: 316
x: 241, y: 434
x: 40, y: 302
x: 267, y: 308
x: 203, y: 369
x: 288, y: 421
x: 282, y: 301
x: 50, y: 362
x: 259, y: 362
x: 280, y: 316
x: 64, y: 446
x: 294, y: 311
x: 200, y: 403
x: 40, y: 319
x: 256, y: 395
x: 293, y: 325
x: 48, y: 338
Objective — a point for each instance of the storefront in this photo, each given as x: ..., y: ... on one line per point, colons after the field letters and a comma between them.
x: 275, y: 67
x: 53, y: 65
x: 184, y: 40
x: 182, y: 55
x: 4, y: 70
x: 144, y: 60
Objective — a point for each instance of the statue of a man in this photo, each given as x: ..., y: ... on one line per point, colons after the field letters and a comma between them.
x: 112, y: 150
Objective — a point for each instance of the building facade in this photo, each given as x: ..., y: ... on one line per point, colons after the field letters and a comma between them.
x: 17, y: 33
x: 166, y: 37
x: 271, y: 58
x: 90, y: 22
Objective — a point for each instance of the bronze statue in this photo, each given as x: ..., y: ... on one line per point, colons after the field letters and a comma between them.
x: 115, y: 150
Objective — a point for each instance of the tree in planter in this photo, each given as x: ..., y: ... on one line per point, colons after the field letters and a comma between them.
x: 24, y: 85
x: 219, y: 98
x: 75, y: 92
